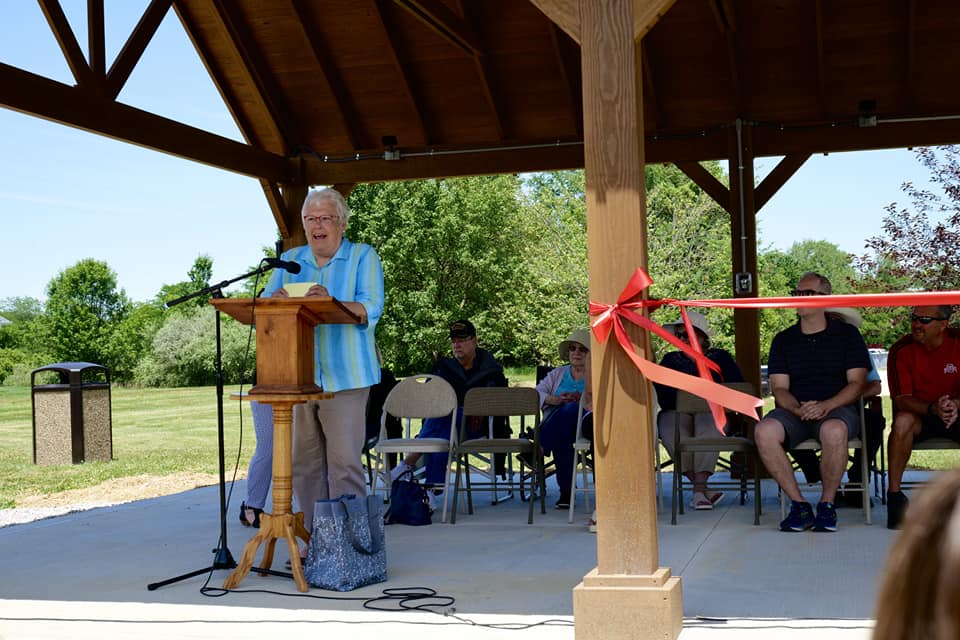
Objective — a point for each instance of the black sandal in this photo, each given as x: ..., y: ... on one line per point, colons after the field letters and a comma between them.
x: 255, y: 523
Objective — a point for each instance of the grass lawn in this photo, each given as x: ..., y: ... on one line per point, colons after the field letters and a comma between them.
x: 155, y: 432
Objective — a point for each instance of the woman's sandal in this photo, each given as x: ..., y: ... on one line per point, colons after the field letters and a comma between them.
x: 250, y: 516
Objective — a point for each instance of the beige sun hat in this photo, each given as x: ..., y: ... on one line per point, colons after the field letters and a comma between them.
x: 697, y: 319
x: 847, y: 314
x: 580, y: 336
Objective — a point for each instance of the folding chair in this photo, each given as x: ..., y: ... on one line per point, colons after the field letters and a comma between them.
x: 582, y: 459
x: 863, y: 486
x: 417, y: 397
x: 488, y: 403
x: 690, y: 404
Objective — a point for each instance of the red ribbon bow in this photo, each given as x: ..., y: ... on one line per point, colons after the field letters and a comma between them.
x: 610, y: 317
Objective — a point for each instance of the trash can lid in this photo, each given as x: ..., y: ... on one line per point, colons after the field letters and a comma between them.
x: 70, y: 366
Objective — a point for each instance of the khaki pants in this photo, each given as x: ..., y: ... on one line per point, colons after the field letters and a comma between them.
x: 328, y: 439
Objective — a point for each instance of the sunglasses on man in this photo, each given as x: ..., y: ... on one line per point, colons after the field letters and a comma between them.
x: 924, y: 319
x: 806, y: 292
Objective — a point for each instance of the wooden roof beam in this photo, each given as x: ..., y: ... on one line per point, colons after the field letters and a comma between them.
x: 218, y: 76
x: 566, y: 15
x: 569, y: 76
x: 484, y: 73
x: 400, y: 64
x: 134, y: 47
x: 35, y: 95
x: 331, y: 78
x: 268, y: 93
x: 821, y: 61
x: 784, y: 170
x: 415, y: 167
x: 910, y: 53
x: 95, y: 39
x: 718, y: 191
x: 72, y: 53
x: 444, y: 22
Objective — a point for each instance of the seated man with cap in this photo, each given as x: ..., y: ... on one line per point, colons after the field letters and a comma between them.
x: 700, y: 466
x: 469, y: 367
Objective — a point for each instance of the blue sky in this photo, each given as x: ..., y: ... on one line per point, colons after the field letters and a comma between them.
x: 66, y: 195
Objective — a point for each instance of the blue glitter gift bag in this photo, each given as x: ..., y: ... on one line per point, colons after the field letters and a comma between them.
x: 347, y: 549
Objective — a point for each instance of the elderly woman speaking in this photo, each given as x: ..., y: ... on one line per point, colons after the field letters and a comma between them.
x: 328, y: 435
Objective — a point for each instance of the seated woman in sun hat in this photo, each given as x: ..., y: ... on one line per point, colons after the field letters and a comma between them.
x: 560, y: 392
x: 700, y: 466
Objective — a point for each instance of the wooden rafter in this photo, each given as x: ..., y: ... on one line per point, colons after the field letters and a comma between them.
x: 258, y: 75
x: 134, y: 47
x: 95, y: 39
x: 563, y: 13
x: 651, y: 113
x: 448, y: 25
x: 646, y: 13
x: 400, y: 65
x: 821, y: 62
x: 27, y: 92
x: 230, y: 99
x: 910, y: 44
x: 784, y: 170
x: 570, y: 78
x: 725, y: 15
x: 549, y: 158
x: 485, y: 75
x: 706, y: 181
x: 329, y: 75
x: 68, y: 43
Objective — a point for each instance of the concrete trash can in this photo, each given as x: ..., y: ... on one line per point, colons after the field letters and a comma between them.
x: 72, y: 419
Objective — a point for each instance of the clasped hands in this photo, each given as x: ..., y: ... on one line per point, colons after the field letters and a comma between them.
x: 945, y: 409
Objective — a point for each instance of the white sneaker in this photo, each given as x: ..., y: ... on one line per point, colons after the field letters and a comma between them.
x: 436, y: 500
x: 401, y: 468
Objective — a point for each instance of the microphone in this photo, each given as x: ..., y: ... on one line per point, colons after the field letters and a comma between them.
x: 288, y: 265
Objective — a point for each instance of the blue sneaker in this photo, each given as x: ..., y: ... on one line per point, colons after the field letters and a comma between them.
x: 800, y: 517
x: 826, y: 519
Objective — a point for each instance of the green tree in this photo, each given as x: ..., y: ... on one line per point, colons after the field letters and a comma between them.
x: 450, y: 248
x: 198, y: 277
x: 83, y: 311
x: 689, y: 248
x: 183, y: 351
x: 916, y: 248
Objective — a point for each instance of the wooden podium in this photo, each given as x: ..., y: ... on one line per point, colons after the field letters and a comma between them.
x: 285, y: 355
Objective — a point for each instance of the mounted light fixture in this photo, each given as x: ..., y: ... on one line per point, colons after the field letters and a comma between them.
x: 391, y: 152
x: 868, y: 113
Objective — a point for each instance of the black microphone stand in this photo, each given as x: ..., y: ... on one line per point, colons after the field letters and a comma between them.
x: 222, y: 558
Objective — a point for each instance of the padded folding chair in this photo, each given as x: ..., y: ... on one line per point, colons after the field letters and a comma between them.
x: 417, y: 397
x: 491, y: 402
x: 863, y: 487
x: 690, y: 404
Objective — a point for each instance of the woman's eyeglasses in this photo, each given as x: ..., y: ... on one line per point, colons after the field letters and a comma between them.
x: 578, y: 347
x: 806, y: 292
x: 924, y: 319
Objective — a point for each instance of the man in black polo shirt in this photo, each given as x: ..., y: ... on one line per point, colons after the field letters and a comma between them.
x: 818, y: 369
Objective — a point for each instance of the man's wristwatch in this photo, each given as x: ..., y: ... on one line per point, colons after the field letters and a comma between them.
x: 931, y: 410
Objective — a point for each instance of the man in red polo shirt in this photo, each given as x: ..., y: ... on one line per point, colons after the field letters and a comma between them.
x: 929, y: 374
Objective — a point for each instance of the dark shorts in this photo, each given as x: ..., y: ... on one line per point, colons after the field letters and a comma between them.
x: 933, y: 427
x: 797, y: 430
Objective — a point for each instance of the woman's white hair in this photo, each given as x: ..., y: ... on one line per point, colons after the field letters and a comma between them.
x: 316, y: 196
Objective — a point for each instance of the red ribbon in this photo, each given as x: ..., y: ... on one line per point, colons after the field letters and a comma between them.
x: 610, y: 317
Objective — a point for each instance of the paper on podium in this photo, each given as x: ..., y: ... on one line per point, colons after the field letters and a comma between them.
x: 298, y: 289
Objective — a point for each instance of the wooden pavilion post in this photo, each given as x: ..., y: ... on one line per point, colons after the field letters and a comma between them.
x: 628, y: 595
x: 743, y: 236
